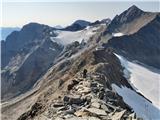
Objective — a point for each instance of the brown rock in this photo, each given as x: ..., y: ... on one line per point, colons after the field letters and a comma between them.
x: 81, y: 113
x: 96, y: 111
x: 118, y: 115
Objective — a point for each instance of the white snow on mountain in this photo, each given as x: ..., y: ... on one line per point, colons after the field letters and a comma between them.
x: 67, y: 37
x: 143, y: 80
x: 117, y: 34
x: 53, y: 49
x: 142, y: 107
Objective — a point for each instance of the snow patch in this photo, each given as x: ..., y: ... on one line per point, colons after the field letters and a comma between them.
x: 67, y: 37
x: 52, y: 49
x: 140, y: 105
x: 117, y: 34
x: 56, y: 40
x: 145, y: 81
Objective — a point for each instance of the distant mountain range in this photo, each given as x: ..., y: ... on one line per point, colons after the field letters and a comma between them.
x: 43, y: 69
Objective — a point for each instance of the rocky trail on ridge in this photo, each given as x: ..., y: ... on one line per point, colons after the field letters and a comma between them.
x: 85, y: 99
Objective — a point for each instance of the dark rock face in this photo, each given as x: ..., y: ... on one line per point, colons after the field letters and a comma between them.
x: 142, y: 46
x: 26, y: 55
x: 104, y: 21
x: 127, y: 16
x: 82, y: 23
x: 109, y: 65
x: 130, y: 21
x: 77, y: 25
x: 17, y: 39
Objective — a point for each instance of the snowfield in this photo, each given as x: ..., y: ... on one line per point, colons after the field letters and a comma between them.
x: 67, y: 37
x: 142, y: 107
x: 144, y: 81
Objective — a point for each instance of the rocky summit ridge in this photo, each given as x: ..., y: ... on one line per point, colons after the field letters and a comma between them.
x: 84, y: 99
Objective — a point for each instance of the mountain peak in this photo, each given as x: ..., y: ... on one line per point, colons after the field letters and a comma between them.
x: 32, y: 25
x: 134, y: 10
x: 77, y: 25
x: 134, y: 7
x: 130, y: 14
x: 126, y: 17
x: 82, y: 23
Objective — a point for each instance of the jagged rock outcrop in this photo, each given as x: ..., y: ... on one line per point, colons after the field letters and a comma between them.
x: 88, y: 98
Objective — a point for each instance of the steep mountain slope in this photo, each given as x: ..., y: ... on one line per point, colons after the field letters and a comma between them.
x: 26, y: 55
x: 142, y: 46
x: 16, y: 40
x: 140, y: 82
x: 130, y: 21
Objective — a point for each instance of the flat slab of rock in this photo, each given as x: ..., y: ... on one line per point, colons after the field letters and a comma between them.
x: 84, y: 90
x: 81, y: 113
x: 83, y: 118
x: 104, y: 107
x: 60, y: 104
x: 118, y: 115
x: 96, y: 104
x: 96, y: 111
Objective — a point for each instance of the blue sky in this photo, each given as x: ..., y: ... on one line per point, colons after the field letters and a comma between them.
x: 15, y: 13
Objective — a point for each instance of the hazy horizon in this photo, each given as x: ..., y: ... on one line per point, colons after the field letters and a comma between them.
x: 17, y: 14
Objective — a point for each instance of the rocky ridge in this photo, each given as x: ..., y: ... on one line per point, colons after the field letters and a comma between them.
x: 64, y: 94
x: 85, y: 99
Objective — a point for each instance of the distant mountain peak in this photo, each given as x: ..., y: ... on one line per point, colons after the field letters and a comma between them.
x: 77, y: 25
x: 82, y: 23
x: 129, y: 15
x: 103, y: 21
x: 32, y: 25
x: 134, y: 7
x: 133, y: 10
